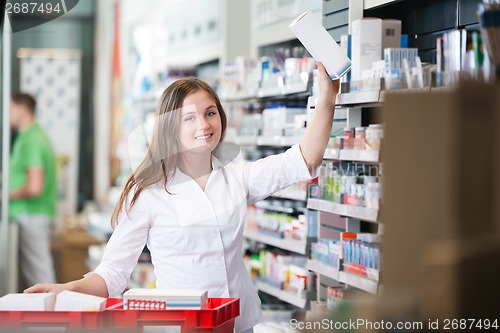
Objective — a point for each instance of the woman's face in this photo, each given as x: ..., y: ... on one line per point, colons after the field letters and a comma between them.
x: 200, y: 126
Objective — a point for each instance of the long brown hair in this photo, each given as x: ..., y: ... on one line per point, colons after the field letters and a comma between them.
x: 163, y: 154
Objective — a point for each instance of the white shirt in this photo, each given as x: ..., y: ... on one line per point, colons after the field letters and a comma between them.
x: 195, y: 236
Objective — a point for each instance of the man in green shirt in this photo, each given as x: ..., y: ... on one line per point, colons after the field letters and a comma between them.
x: 33, y: 191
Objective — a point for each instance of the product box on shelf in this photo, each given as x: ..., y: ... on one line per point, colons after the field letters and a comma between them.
x: 300, y: 280
x: 370, y: 36
x: 278, y: 117
x: 343, y: 236
x: 312, y: 222
x: 327, y: 252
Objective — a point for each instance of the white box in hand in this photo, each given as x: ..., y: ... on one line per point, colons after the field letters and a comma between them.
x: 320, y: 44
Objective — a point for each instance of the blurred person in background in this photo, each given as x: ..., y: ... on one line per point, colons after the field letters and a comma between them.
x: 32, y: 191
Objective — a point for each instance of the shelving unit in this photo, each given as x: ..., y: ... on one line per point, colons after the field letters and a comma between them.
x: 359, y: 282
x: 362, y: 155
x: 289, y: 90
x: 371, y: 4
x: 356, y: 212
x: 332, y: 214
x: 320, y: 268
x: 367, y: 156
x: 358, y: 98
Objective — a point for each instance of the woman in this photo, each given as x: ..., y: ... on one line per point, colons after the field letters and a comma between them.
x: 189, y: 207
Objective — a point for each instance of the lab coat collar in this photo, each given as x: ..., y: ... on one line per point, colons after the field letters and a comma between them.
x: 180, y: 177
x: 187, y: 195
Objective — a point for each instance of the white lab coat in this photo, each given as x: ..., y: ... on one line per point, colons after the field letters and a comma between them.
x: 194, y: 236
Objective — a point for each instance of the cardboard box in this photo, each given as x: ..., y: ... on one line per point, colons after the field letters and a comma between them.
x: 441, y: 160
x: 461, y: 278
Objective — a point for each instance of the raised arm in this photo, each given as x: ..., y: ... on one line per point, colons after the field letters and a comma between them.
x: 317, y: 134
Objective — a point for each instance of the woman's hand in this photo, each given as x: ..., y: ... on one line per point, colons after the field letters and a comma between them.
x: 47, y: 288
x: 328, y: 88
x: 93, y: 285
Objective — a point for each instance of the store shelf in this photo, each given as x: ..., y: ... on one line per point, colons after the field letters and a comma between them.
x: 274, y: 208
x: 292, y: 245
x: 361, y: 213
x: 353, y: 155
x: 376, y: 97
x: 196, y: 55
x: 291, y: 195
x: 359, y: 97
x: 283, y: 295
x: 277, y: 141
x: 323, y: 269
x: 361, y: 155
x: 359, y: 282
x: 371, y: 4
x: 277, y: 31
x: 332, y: 154
x: 247, y: 140
x: 299, y: 89
x: 286, y: 90
x: 267, y: 141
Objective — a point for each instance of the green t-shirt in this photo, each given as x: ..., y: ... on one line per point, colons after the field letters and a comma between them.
x: 32, y: 149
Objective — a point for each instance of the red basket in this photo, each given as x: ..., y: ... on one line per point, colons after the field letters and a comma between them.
x: 71, y: 320
x: 218, y: 317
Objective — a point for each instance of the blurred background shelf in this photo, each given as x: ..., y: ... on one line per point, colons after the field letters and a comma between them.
x: 320, y: 268
x: 359, y: 282
x: 283, y: 295
x: 291, y: 245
